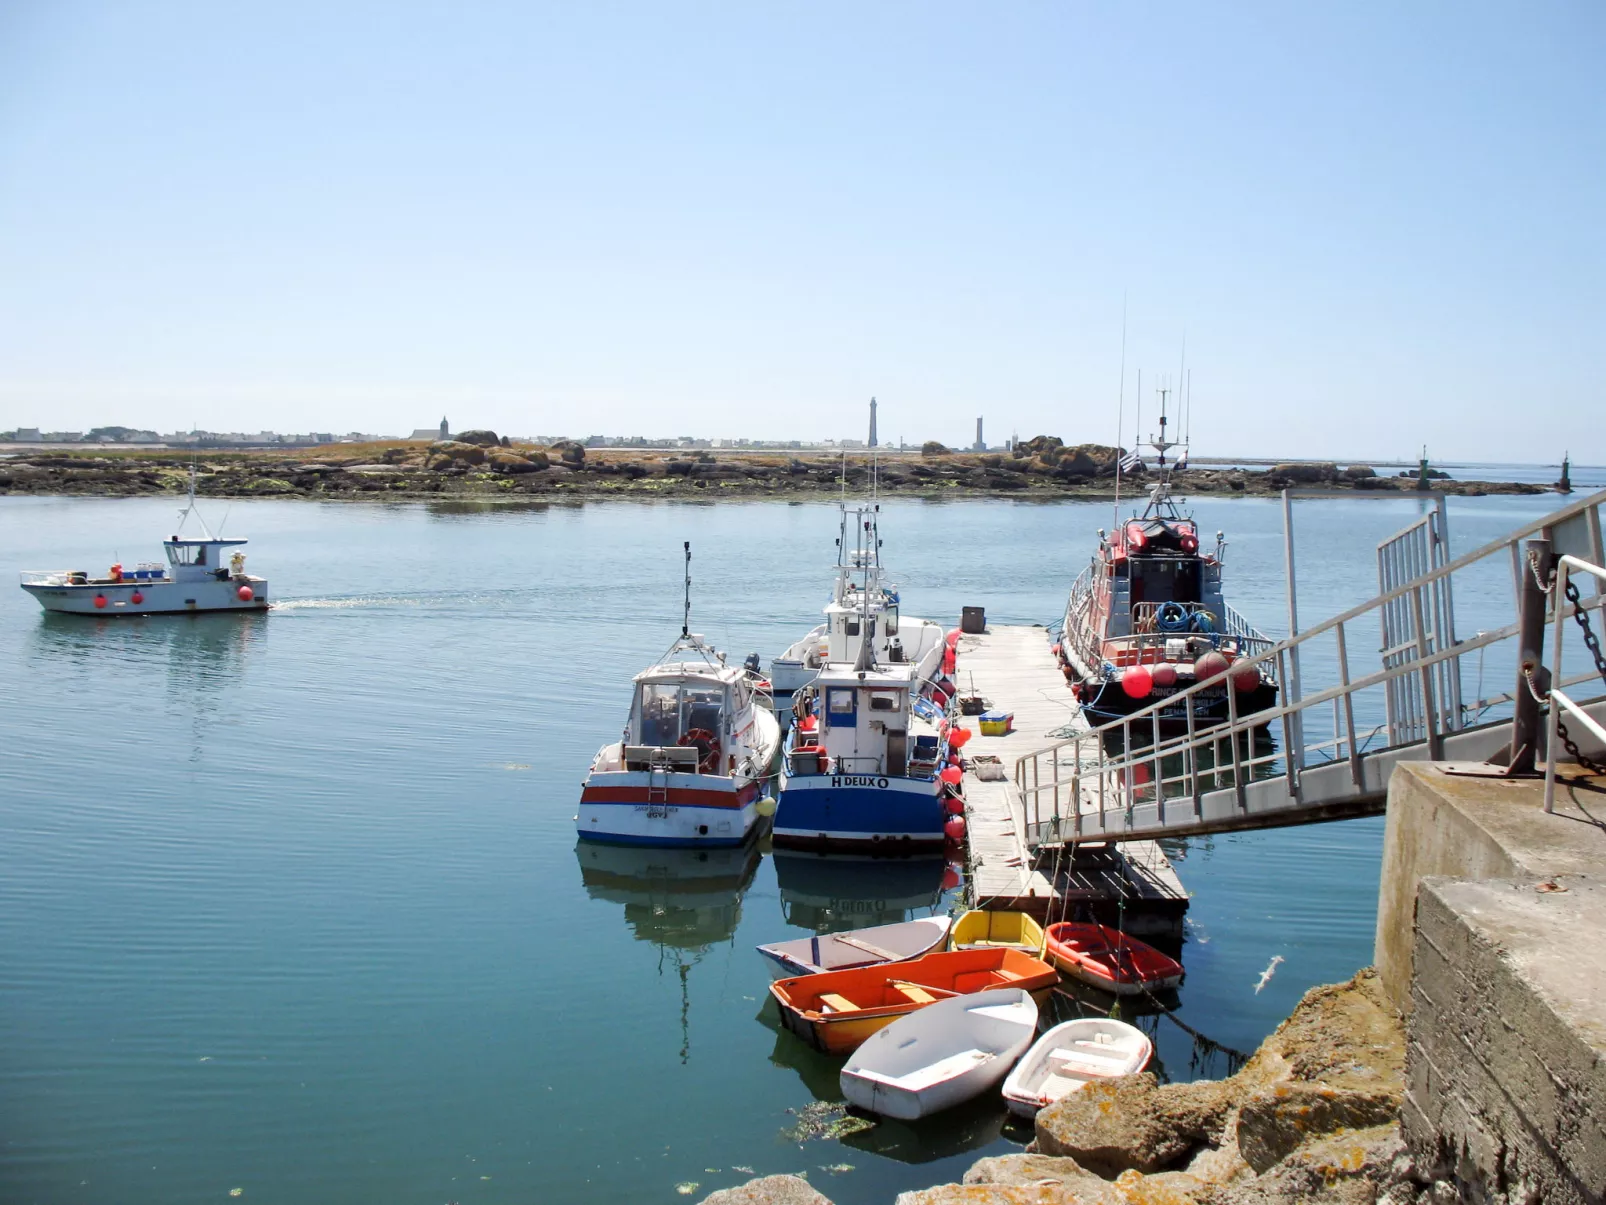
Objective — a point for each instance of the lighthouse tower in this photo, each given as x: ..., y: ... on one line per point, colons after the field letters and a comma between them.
x: 872, y: 422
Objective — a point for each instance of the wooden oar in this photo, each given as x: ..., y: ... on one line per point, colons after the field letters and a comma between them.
x: 925, y: 987
x: 866, y: 947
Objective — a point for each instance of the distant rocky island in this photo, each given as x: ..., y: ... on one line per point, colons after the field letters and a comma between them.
x: 479, y: 464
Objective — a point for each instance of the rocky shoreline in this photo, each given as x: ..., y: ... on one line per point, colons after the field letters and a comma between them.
x: 480, y: 465
x: 1312, y: 1117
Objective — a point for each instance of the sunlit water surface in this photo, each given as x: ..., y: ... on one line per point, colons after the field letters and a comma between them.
x: 292, y: 904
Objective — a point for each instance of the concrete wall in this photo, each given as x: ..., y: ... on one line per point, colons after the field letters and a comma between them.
x: 1441, y: 823
x: 1506, y: 1040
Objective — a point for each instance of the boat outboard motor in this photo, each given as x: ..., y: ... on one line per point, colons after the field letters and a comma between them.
x: 753, y: 663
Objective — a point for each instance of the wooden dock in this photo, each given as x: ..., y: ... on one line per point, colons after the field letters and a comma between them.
x: 1133, y: 884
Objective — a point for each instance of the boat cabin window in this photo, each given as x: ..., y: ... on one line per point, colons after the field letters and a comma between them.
x: 840, y: 705
x: 1165, y: 579
x: 890, y: 618
x: 670, y: 710
x: 850, y: 626
x: 186, y: 554
x: 883, y: 700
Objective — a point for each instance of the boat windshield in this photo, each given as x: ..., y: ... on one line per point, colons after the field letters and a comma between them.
x: 669, y: 710
x: 1165, y: 579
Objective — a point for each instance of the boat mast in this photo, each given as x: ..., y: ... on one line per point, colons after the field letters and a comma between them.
x: 685, y: 614
x: 190, y: 508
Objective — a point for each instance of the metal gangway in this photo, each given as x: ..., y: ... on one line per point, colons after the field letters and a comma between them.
x: 1134, y: 780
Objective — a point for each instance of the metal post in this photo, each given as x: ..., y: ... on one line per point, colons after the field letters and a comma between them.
x: 1054, y: 753
x: 1430, y: 707
x: 1232, y: 735
x: 1521, y: 755
x: 1552, y: 753
x: 1294, y: 754
x: 1193, y: 766
x: 1292, y: 691
x: 1349, y: 706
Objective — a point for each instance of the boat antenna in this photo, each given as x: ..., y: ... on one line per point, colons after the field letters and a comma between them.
x: 866, y: 658
x: 685, y: 615
x: 1120, y: 417
x: 190, y: 508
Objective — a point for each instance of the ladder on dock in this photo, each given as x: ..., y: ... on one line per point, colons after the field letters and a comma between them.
x: 1339, y: 743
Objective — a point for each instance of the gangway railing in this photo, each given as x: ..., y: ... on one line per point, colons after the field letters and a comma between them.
x: 1158, y: 772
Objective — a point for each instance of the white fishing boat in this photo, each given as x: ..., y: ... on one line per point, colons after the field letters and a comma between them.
x: 1073, y: 1054
x: 858, y: 948
x: 941, y: 1055
x: 693, y: 763
x: 205, y: 573
x: 861, y: 590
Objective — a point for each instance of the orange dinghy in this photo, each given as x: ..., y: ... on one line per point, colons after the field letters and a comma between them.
x: 837, y: 1010
x: 1109, y: 959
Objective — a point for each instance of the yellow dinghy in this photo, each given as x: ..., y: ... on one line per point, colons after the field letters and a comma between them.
x: 980, y: 930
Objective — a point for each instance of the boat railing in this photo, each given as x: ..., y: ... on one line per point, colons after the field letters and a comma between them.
x: 1340, y: 739
x: 44, y: 577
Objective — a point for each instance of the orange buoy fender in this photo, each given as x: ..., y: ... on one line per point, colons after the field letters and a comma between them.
x: 955, y: 828
x: 1137, y: 682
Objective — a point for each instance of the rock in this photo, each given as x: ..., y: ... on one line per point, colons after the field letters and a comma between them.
x: 1025, y: 1170
x: 933, y: 447
x: 1001, y: 1194
x: 1305, y: 473
x: 1039, y: 444
x: 571, y: 451
x: 1274, y: 1122
x: 1359, y: 1167
x: 1162, y: 1188
x: 1133, y: 1123
x: 1376, y: 483
x: 1359, y: 472
x: 458, y: 450
x: 769, y: 1190
x: 512, y: 462
x: 483, y: 439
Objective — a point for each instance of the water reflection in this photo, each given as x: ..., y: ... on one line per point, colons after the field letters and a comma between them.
x: 684, y: 901
x: 827, y: 894
x: 687, y: 899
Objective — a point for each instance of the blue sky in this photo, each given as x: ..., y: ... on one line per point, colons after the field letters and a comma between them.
x: 1377, y: 225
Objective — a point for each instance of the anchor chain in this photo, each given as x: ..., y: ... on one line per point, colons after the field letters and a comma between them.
x: 1591, y: 642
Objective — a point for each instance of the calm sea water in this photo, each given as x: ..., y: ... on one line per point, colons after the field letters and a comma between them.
x: 292, y: 903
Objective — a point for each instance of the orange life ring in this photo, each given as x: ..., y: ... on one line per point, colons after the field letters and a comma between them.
x: 707, y: 746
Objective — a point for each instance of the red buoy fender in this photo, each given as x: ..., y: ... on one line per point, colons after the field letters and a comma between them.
x: 100, y: 602
x: 955, y: 828
x: 137, y: 598
x: 245, y: 593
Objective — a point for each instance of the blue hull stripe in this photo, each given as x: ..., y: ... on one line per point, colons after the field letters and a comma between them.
x: 866, y: 812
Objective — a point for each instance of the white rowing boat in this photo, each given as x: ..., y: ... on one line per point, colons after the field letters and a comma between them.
x: 1073, y: 1054
x: 942, y: 1055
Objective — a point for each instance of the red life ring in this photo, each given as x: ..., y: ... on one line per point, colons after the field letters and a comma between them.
x: 707, y: 746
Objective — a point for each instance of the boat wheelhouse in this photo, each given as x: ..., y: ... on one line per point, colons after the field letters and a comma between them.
x: 694, y: 760
x: 1148, y: 619
x: 205, y: 573
x: 861, y: 589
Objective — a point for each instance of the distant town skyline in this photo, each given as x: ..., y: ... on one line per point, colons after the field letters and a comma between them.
x: 1370, y: 226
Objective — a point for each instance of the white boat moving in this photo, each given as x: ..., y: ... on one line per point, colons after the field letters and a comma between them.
x: 205, y: 573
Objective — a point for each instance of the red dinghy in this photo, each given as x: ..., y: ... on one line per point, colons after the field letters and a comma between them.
x: 1109, y: 959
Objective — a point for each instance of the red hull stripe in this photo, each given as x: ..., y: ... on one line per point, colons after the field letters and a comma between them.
x: 676, y: 796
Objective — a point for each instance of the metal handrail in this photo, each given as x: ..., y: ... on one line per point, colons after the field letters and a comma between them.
x: 1559, y: 702
x: 1117, y: 771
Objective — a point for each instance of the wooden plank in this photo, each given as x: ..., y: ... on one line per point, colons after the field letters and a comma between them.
x: 1012, y: 667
